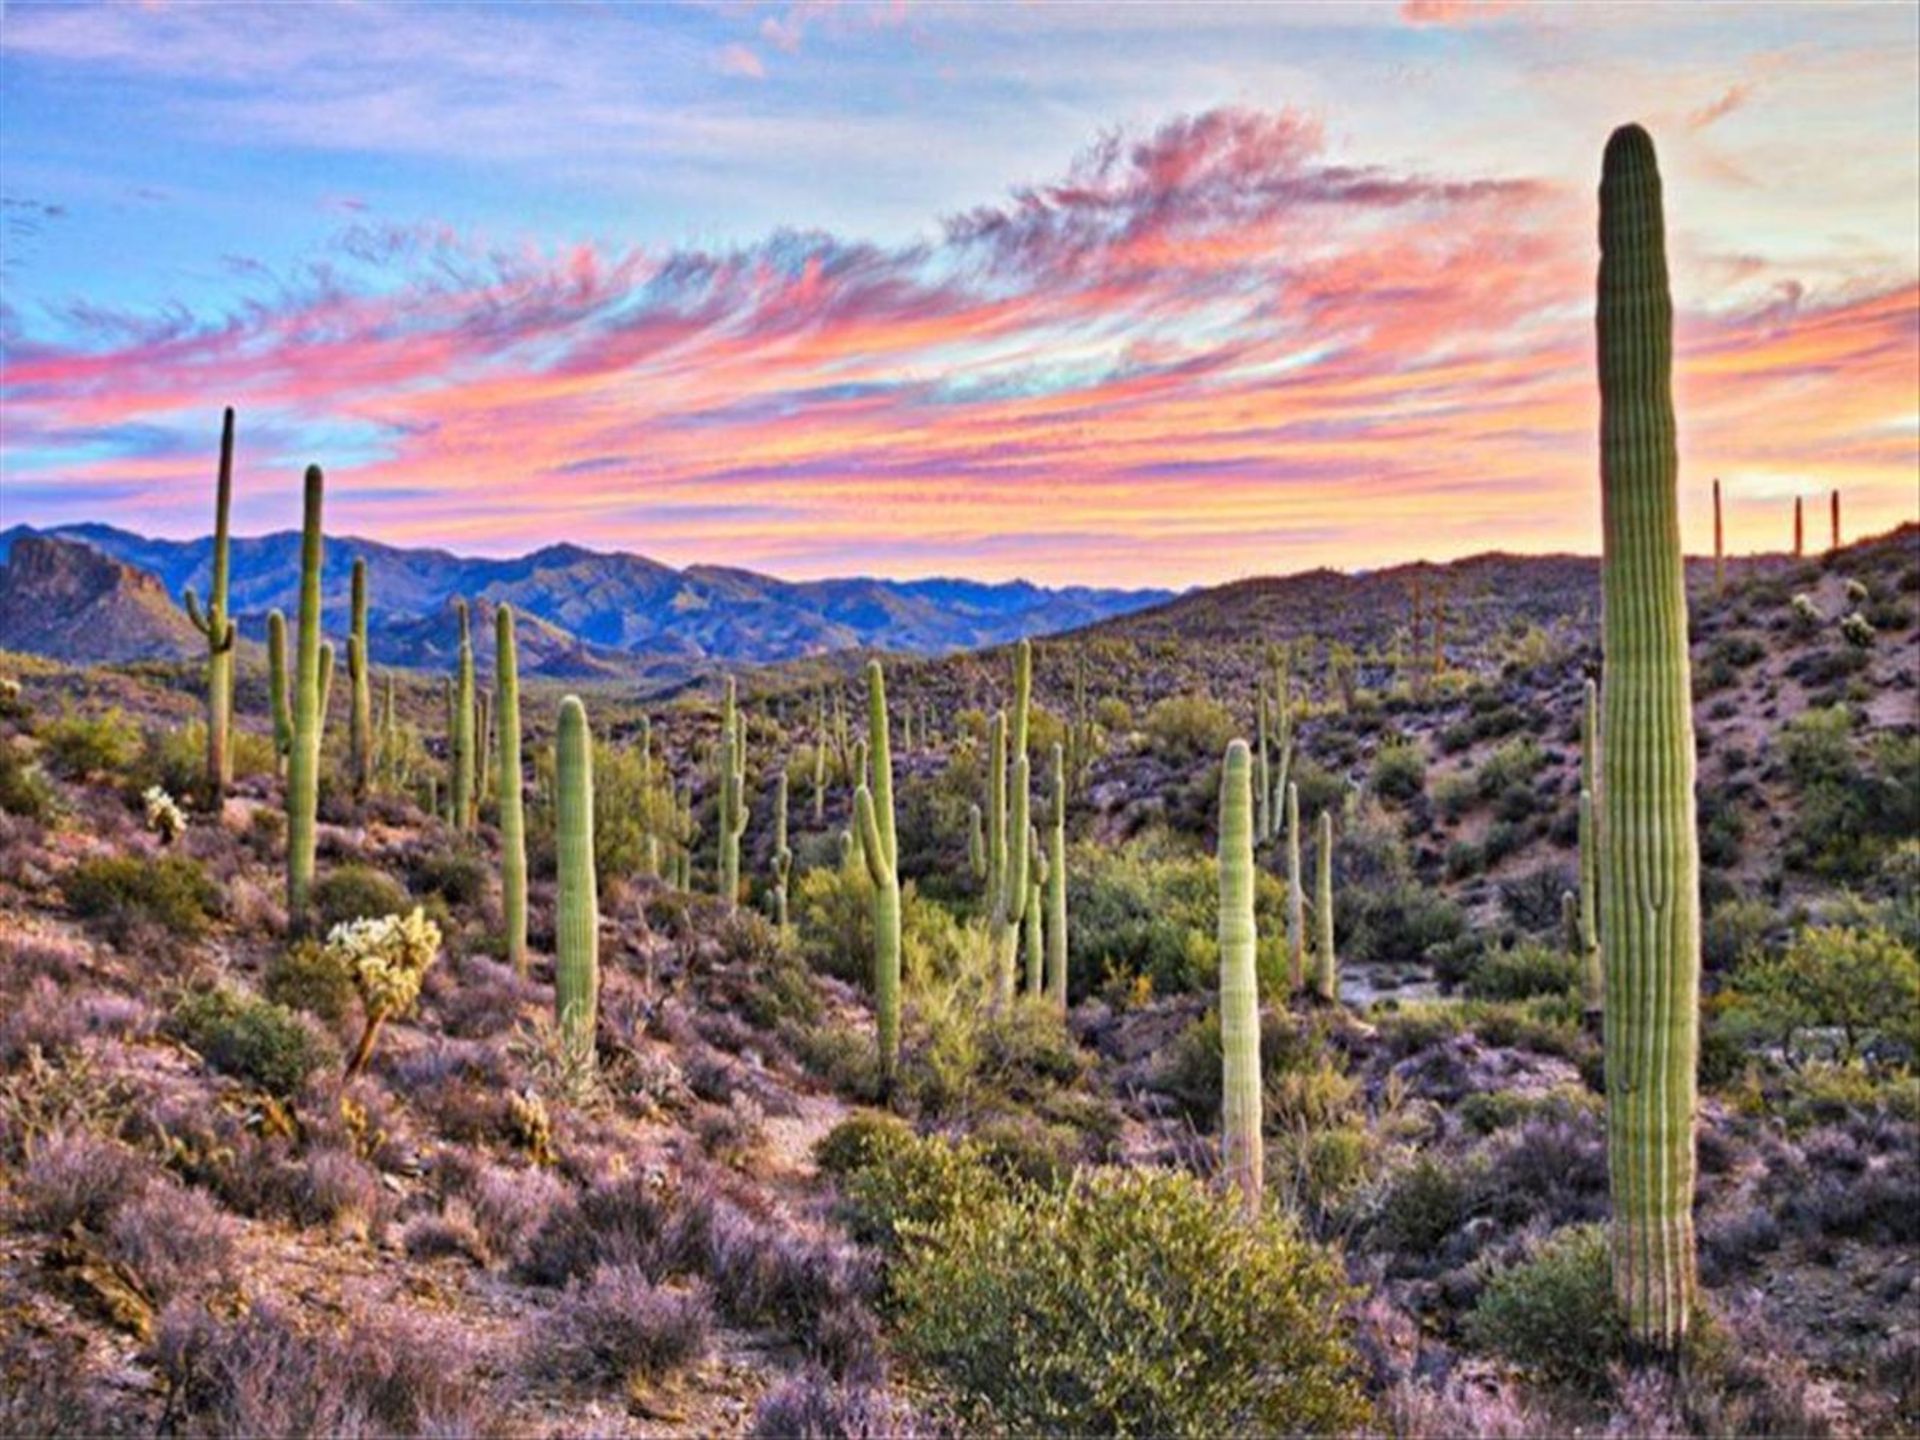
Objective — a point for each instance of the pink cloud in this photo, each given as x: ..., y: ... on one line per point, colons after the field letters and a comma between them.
x: 739, y: 60
x: 1721, y: 106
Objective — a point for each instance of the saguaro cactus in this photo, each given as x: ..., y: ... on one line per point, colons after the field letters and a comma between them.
x: 576, y: 970
x: 1719, y: 545
x: 1032, y: 924
x: 217, y: 625
x: 279, y: 690
x: 1799, y: 528
x: 733, y: 794
x: 309, y: 709
x: 1296, y: 897
x: 1592, y: 971
x: 1833, y: 515
x: 1008, y: 811
x: 1263, y: 821
x: 782, y: 855
x: 1057, y: 883
x: 513, y: 826
x: 1242, y: 1153
x: 976, y: 844
x: 463, y: 724
x: 1649, y: 848
x: 1326, y: 965
x: 879, y: 848
x: 359, y: 675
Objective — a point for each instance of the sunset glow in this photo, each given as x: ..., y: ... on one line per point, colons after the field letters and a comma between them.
x: 1047, y: 291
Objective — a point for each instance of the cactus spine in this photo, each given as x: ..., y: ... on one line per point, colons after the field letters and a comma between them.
x: 1592, y: 970
x: 360, y: 712
x: 1057, y: 884
x: 462, y: 717
x: 1296, y: 897
x: 782, y: 856
x: 1649, y: 848
x: 1326, y: 965
x: 733, y: 795
x: 217, y: 625
x: 309, y: 709
x: 513, y: 828
x: 279, y: 693
x: 873, y: 815
x: 1242, y: 1154
x: 576, y: 968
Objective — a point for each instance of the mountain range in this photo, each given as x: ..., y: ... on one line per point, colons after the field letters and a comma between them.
x: 592, y: 612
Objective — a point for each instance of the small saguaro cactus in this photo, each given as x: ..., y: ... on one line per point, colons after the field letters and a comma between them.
x: 879, y: 850
x: 360, y: 677
x: 482, y: 748
x: 1296, y: 897
x: 462, y: 724
x: 1057, y: 884
x: 1799, y: 528
x: 1649, y: 841
x: 1242, y: 1149
x: 1262, y: 769
x: 216, y: 624
x: 513, y: 828
x: 1833, y: 515
x: 309, y: 708
x: 576, y: 968
x: 820, y: 770
x: 1281, y: 660
x: 1032, y: 924
x: 1326, y: 965
x: 279, y: 691
x: 782, y: 855
x: 733, y: 794
x: 1719, y: 545
x: 976, y: 844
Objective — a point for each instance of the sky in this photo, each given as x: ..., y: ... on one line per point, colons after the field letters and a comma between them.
x: 1086, y: 293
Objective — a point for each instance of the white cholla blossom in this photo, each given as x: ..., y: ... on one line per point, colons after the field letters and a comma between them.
x: 165, y: 818
x: 387, y: 957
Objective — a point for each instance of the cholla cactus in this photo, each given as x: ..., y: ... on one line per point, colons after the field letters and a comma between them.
x: 387, y: 958
x: 1806, y: 614
x: 1857, y: 631
x: 164, y: 817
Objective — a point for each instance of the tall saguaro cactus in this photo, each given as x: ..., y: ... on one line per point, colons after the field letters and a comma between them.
x: 1242, y: 1153
x: 1326, y: 964
x: 309, y: 709
x: 1057, y: 883
x: 733, y: 794
x: 1719, y: 545
x: 462, y: 724
x: 216, y: 623
x: 576, y: 924
x: 1296, y: 897
x: 1799, y: 528
x: 1649, y: 848
x: 360, y: 676
x: 279, y: 689
x: 1833, y: 515
x: 1008, y: 810
x: 880, y: 852
x: 513, y: 825
x: 782, y: 855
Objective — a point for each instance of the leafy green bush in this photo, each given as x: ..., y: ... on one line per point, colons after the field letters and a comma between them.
x: 1851, y: 812
x: 357, y: 892
x: 1858, y: 986
x: 1130, y: 1302
x: 1189, y: 1071
x: 254, y: 1039
x: 24, y: 788
x: 1520, y: 972
x: 1186, y: 728
x: 1555, y: 1313
x: 1400, y: 771
x: 1511, y: 766
x: 312, y: 977
x: 913, y: 1182
x: 456, y: 876
x: 80, y: 744
x: 1425, y: 1204
x: 861, y: 1140
x: 125, y: 892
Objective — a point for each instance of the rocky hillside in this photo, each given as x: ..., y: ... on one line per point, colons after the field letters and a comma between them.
x: 66, y: 599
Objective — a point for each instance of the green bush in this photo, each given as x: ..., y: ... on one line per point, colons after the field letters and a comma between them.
x: 910, y: 1182
x: 1856, y: 986
x: 81, y: 745
x: 1426, y: 1203
x: 1555, y: 1313
x: 861, y: 1140
x: 1852, y: 811
x: 312, y: 977
x: 456, y: 876
x: 24, y: 789
x: 1189, y: 1070
x: 254, y: 1039
x: 1400, y: 771
x: 125, y: 892
x: 1522, y: 971
x: 357, y: 892
x: 1512, y: 766
x: 1187, y: 728
x: 1130, y: 1302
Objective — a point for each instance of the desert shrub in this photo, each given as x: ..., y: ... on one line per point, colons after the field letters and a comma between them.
x: 1519, y: 972
x: 618, y: 1328
x: 312, y: 977
x: 356, y: 892
x: 24, y: 789
x: 1851, y: 812
x: 1426, y: 1202
x: 1399, y: 921
x: 257, y: 1040
x: 1512, y: 766
x: 176, y: 1240
x: 1862, y: 985
x: 859, y: 1141
x: 1734, y: 930
x: 74, y: 1178
x: 1189, y: 1070
x: 1453, y: 795
x: 1555, y: 1312
x: 914, y: 1182
x: 1188, y: 728
x: 1128, y: 1302
x: 457, y: 877
x: 811, y: 1406
x: 127, y: 892
x: 1532, y: 901
x: 81, y: 744
x: 1399, y: 771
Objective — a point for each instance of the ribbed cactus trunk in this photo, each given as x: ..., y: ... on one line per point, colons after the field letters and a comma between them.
x: 309, y: 712
x: 576, y: 968
x: 513, y: 825
x: 279, y: 690
x: 1719, y: 545
x: 1799, y: 528
x: 1032, y: 925
x: 360, y: 676
x: 1326, y: 963
x: 976, y: 844
x: 782, y: 855
x: 482, y: 749
x: 1057, y: 884
x: 1296, y: 898
x: 1649, y: 849
x: 733, y: 795
x: 1009, y: 812
x: 1262, y: 770
x: 1833, y: 515
x: 216, y: 624
x: 1282, y: 663
x: 462, y: 718
x: 1593, y: 980
x: 1242, y: 1153
x: 880, y: 853
x: 820, y: 771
